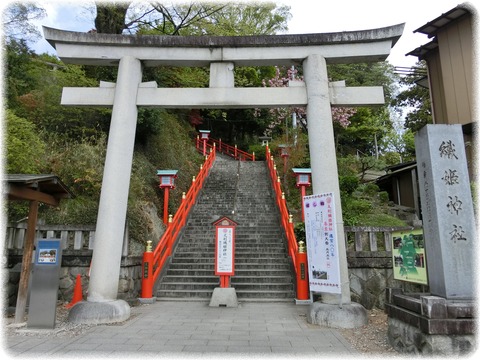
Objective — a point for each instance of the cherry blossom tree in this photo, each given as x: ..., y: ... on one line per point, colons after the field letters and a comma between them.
x: 283, y: 77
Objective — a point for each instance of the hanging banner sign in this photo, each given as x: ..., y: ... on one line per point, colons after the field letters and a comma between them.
x: 322, y: 244
x: 224, y: 249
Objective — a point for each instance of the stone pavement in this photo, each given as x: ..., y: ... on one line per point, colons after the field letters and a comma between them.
x: 189, y: 329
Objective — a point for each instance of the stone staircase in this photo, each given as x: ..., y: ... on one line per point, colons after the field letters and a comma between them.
x: 242, y: 192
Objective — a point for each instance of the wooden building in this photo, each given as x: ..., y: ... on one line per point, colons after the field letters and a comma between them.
x: 452, y: 73
x: 451, y: 81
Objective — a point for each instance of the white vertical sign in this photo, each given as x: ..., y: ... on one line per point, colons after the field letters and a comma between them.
x: 322, y: 244
x: 225, y: 251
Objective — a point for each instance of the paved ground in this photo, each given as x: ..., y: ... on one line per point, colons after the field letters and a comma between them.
x: 188, y: 329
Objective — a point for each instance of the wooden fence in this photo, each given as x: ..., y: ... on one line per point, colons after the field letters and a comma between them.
x: 82, y: 237
x: 75, y: 237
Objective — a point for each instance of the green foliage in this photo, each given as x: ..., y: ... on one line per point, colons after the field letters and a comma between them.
x: 80, y: 210
x: 78, y: 163
x: 365, y: 74
x: 24, y: 146
x: 299, y: 230
x: 227, y: 19
x: 259, y: 151
x: 348, y: 184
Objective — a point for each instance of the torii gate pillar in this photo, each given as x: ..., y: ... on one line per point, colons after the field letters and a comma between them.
x: 321, y: 141
x: 102, y: 305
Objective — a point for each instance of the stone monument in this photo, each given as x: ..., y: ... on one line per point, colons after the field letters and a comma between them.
x: 440, y: 322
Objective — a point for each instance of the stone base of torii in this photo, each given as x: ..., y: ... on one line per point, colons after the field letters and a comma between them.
x: 130, y: 53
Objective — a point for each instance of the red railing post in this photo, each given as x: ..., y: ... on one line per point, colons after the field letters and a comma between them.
x: 302, y: 272
x: 147, y: 276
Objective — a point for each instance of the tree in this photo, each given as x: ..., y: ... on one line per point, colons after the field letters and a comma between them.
x: 110, y: 17
x: 243, y: 19
x: 24, y: 147
x: 415, y: 98
x: 17, y: 21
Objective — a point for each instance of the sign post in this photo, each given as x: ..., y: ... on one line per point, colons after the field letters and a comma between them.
x: 225, y: 250
x: 224, y: 262
x: 45, y: 282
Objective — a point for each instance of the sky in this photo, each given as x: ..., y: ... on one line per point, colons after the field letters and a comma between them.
x: 308, y: 16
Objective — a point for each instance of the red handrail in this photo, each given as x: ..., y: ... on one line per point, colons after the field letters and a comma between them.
x: 154, y: 261
x: 226, y: 149
x: 285, y: 217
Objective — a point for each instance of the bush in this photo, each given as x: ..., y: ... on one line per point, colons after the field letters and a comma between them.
x: 24, y: 147
x: 369, y: 189
x: 259, y: 151
x: 348, y: 184
x: 383, y: 197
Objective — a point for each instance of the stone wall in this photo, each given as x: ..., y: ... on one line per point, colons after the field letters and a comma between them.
x: 408, y: 339
x: 370, y: 273
x: 74, y: 263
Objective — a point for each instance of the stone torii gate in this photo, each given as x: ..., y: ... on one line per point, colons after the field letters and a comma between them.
x: 221, y: 54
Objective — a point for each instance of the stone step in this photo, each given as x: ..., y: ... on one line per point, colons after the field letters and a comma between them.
x: 239, y: 250
x: 238, y: 266
x: 238, y: 272
x: 238, y: 256
x: 238, y: 261
x: 210, y: 277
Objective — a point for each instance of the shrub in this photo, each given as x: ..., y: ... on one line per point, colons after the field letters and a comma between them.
x: 348, y: 184
x: 259, y: 151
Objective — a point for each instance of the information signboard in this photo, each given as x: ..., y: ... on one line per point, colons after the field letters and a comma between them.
x: 408, y: 256
x: 322, y: 243
x: 47, y: 252
x: 225, y: 250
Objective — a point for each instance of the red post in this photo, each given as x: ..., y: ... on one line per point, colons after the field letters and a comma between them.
x: 204, y: 147
x: 165, y: 206
x: 302, y: 272
x: 147, y: 276
x: 224, y: 281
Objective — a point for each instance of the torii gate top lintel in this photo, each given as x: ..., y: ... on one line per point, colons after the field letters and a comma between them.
x: 107, y: 49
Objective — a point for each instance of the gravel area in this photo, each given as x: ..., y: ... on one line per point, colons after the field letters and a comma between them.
x: 371, y: 338
x: 63, y: 328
